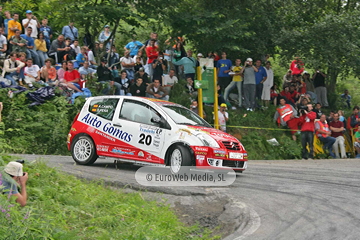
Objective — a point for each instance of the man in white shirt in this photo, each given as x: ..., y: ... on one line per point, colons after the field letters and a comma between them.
x: 12, y: 67
x: 32, y: 73
x: 267, y: 84
x: 223, y: 117
x: 91, y: 59
x: 76, y: 46
x: 3, y: 43
x: 169, y: 80
x: 31, y: 21
x: 127, y: 64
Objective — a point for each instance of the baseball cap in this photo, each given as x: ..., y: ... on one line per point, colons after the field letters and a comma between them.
x: 305, y: 72
x: 200, y: 55
x: 28, y: 11
x: 14, y: 169
x: 106, y: 26
x: 223, y: 105
x: 249, y: 59
x: 141, y: 69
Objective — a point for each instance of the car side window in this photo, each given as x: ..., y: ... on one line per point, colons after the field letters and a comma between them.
x: 104, y: 107
x: 138, y: 112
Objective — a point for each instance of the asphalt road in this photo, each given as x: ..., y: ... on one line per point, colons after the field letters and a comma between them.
x: 293, y: 199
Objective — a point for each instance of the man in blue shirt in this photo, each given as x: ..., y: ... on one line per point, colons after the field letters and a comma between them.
x: 47, y: 32
x: 260, y: 77
x: 134, y: 47
x: 30, y: 52
x: 70, y: 31
x: 223, y: 68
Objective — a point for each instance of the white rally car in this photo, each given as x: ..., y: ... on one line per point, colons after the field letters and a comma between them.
x: 150, y: 131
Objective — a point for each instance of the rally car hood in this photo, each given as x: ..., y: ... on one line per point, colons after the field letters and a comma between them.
x: 218, y: 135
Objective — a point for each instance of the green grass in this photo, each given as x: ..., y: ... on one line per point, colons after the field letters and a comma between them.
x: 61, y: 206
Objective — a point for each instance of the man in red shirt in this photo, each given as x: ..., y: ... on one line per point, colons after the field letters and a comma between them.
x: 72, y: 77
x: 337, y: 129
x: 307, y: 131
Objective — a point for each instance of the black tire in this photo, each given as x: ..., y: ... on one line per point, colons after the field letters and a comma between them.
x: 83, y: 150
x: 179, y: 156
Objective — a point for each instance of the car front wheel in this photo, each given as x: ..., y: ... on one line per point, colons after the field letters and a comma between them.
x: 180, y: 156
x: 83, y: 150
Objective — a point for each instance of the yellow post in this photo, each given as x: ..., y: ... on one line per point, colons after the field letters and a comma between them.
x: 216, y: 121
x: 200, y: 98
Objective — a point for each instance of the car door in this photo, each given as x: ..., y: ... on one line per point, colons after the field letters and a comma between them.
x: 143, y: 123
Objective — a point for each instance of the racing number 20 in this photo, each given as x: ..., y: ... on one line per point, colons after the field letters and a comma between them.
x: 145, y: 139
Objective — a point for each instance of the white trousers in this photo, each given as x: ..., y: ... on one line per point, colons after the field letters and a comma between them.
x: 340, y: 143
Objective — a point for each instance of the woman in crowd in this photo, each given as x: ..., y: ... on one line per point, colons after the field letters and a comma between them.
x: 41, y: 49
x: 104, y: 35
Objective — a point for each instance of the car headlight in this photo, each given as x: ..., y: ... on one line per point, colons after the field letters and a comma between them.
x: 208, y: 141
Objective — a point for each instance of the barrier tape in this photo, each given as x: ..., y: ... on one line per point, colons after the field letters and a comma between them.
x: 259, y: 128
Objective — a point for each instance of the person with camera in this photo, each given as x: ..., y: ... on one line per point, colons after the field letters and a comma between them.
x: 12, y: 177
x: 307, y: 124
x: 223, y: 117
x: 249, y: 84
x: 31, y: 21
x: 324, y: 134
x: 286, y: 115
x: 320, y: 87
x: 159, y: 66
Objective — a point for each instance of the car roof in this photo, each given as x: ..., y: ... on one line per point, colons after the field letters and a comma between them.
x: 141, y: 99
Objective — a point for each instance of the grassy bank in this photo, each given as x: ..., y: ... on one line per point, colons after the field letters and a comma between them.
x: 63, y: 207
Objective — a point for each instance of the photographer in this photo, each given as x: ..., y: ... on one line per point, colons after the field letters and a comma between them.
x: 31, y: 21
x: 320, y: 87
x: 286, y: 116
x: 159, y: 66
x: 307, y: 124
x: 12, y: 176
x: 223, y: 117
x: 249, y: 84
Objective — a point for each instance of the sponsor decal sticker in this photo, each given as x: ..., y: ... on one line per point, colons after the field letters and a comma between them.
x: 201, y: 149
x: 141, y: 154
x: 120, y: 151
x: 200, y: 153
x: 102, y: 148
x: 219, y: 151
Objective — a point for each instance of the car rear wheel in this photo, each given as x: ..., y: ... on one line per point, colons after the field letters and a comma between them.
x: 83, y: 150
x: 180, y: 156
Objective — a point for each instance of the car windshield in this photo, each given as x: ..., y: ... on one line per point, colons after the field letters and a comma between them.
x: 184, y: 116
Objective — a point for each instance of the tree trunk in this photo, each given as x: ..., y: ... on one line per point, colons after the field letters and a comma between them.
x: 331, y: 79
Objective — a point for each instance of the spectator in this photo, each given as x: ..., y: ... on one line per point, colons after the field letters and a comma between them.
x: 124, y: 83
x: 194, y: 107
x: 152, y: 53
x: 30, y: 51
x: 154, y: 90
x: 138, y: 89
x: 12, y: 67
x: 127, y: 64
x: 70, y: 31
x: 58, y: 49
x: 138, y: 64
x: 324, y: 134
x: 260, y: 77
x: 76, y: 47
x: 47, y: 32
x: 297, y: 66
x: 318, y: 110
x: 223, y: 67
x: 294, y: 94
x: 85, y: 70
x: 189, y: 64
x: 104, y: 36
x: 274, y: 94
x: 320, y: 87
x: 48, y: 72
x: 18, y: 177
x: 287, y: 79
x: 31, y: 21
x: 236, y: 82
x: 169, y: 53
x: 139, y: 55
x: 170, y: 80
x: 309, y: 86
x: 179, y: 53
x: 346, y: 98
x: 286, y: 116
x: 249, y: 86
x: 357, y: 142
x: 113, y: 59
x: 143, y: 75
x: 14, y: 25
x: 70, y: 53
x: 91, y: 59
x: 337, y: 128
x: 159, y: 67
x: 61, y: 71
x: 72, y: 78
x: 6, y: 22
x: 32, y: 73
x: 306, y: 122
x: 105, y: 77
x: 355, y: 119
x: 303, y: 101
x: 41, y: 50
x: 3, y: 43
x: 190, y: 88
x: 341, y: 117
x: 285, y: 93
x: 81, y: 57
x: 267, y: 84
x: 223, y: 117
x: 18, y: 43
x: 134, y: 47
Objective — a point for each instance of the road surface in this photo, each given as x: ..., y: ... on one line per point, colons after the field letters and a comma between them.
x: 292, y: 199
